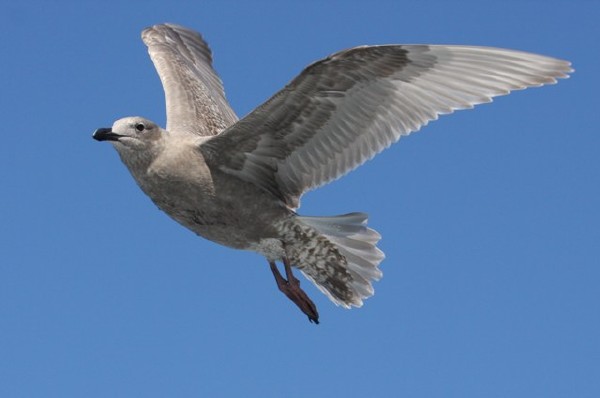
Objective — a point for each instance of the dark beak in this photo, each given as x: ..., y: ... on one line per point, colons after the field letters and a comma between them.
x: 106, y: 134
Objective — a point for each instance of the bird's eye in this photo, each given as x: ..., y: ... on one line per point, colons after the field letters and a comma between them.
x: 140, y: 127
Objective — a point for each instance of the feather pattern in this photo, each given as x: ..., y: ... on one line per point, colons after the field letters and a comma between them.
x: 194, y: 94
x: 343, y: 110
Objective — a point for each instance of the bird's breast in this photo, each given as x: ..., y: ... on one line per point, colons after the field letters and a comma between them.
x: 213, y: 204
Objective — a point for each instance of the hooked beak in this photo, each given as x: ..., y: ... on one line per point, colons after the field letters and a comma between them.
x: 106, y: 134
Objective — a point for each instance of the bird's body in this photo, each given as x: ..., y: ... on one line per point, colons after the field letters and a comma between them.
x: 205, y: 200
x: 238, y: 214
x: 238, y: 183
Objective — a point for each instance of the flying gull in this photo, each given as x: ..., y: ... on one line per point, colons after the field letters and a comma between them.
x: 239, y: 182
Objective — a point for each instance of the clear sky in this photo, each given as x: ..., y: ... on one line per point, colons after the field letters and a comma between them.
x: 490, y: 217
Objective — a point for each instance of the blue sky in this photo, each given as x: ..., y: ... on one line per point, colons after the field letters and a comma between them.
x: 490, y: 217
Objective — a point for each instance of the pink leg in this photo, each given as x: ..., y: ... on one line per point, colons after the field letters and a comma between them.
x: 291, y: 288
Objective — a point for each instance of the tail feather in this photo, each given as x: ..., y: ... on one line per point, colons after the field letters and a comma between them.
x: 357, y: 243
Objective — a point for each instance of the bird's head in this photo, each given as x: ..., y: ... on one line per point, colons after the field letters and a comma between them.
x: 134, y: 133
x: 133, y: 137
x: 137, y: 140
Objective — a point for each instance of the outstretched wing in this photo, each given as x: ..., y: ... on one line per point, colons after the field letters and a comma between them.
x: 194, y: 93
x: 341, y: 111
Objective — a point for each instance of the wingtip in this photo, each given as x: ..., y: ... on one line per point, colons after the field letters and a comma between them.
x: 149, y: 31
x: 564, y: 68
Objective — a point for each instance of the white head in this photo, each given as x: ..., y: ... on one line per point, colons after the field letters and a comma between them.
x: 135, y: 138
x: 131, y: 132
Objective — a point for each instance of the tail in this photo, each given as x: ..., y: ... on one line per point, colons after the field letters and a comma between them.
x: 345, y: 279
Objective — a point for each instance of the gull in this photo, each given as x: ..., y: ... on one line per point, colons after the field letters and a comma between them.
x: 239, y: 182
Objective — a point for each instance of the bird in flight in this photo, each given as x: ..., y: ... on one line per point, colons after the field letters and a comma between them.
x: 239, y: 182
